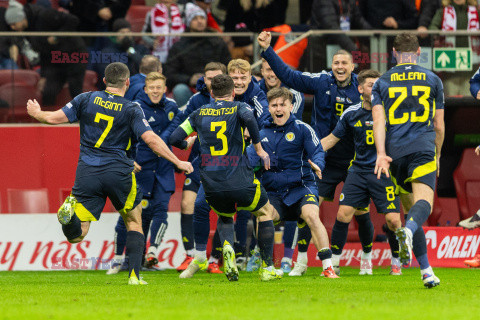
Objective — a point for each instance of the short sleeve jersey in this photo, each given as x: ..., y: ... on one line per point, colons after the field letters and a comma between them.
x: 357, y: 122
x: 107, y: 124
x: 220, y: 126
x: 410, y: 95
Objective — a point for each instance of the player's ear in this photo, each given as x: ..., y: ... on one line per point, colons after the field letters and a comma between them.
x: 360, y: 89
x: 127, y: 82
x: 104, y: 81
x: 233, y: 93
x: 419, y: 50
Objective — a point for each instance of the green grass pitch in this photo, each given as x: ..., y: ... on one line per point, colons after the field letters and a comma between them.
x: 94, y: 295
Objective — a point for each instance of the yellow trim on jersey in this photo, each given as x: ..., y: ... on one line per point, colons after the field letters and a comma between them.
x: 229, y: 215
x: 129, y: 144
x: 351, y: 162
x: 131, y: 196
x: 187, y: 127
x: 402, y: 64
x: 423, y: 170
x: 82, y: 213
x: 115, y: 94
x: 398, y: 188
x: 254, y: 203
x: 243, y: 139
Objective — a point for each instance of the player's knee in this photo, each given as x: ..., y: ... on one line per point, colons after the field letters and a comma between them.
x: 186, y: 206
x: 393, y: 222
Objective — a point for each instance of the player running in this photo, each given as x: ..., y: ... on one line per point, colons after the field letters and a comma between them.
x: 362, y: 184
x: 409, y: 130
x: 227, y: 178
x: 107, y: 123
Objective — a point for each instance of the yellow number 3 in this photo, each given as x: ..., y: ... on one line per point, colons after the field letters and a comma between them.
x: 100, y: 116
x: 221, y: 136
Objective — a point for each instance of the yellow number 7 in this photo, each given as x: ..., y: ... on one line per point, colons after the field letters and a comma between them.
x: 100, y: 116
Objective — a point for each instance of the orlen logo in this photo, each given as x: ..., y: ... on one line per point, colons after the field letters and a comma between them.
x: 453, y: 247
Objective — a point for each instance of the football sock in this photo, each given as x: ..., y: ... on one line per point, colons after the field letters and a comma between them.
x: 217, y: 248
x: 201, y: 226
x: 339, y: 236
x: 120, y: 237
x: 186, y: 223
x: 212, y: 259
x: 302, y: 257
x: 365, y: 231
x: 392, y: 241
x: 288, y: 237
x: 73, y: 229
x: 135, y: 243
x: 325, y: 254
x: 417, y: 215
x: 201, y: 255
x: 157, y: 231
x: 225, y: 229
x: 419, y: 248
x: 366, y: 255
x: 241, y: 228
x: 266, y: 232
x: 240, y: 251
x: 304, y: 237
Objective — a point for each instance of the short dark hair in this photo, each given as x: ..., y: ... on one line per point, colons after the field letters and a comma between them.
x: 343, y: 52
x: 214, y: 66
x: 149, y: 64
x: 406, y: 42
x: 281, y: 92
x: 367, y: 73
x: 222, y: 85
x: 116, y: 74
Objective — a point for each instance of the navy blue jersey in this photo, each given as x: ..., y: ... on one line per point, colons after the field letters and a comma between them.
x: 220, y: 126
x: 358, y: 122
x: 475, y: 84
x: 107, y: 124
x: 410, y: 95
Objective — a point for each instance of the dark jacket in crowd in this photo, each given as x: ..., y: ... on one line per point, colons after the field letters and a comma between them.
x: 256, y: 19
x: 404, y: 12
x: 87, y: 12
x: 190, y: 55
x: 326, y: 15
x: 427, y: 11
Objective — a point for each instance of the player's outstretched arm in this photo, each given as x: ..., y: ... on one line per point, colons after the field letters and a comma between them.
x: 383, y: 161
x: 157, y: 145
x: 329, y: 142
x: 49, y: 117
x: 315, y: 169
x: 439, y: 125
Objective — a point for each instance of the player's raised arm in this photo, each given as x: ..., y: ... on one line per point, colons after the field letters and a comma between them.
x: 49, y: 117
x: 329, y: 142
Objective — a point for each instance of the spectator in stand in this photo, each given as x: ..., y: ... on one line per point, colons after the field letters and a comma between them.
x: 165, y: 17
x: 8, y: 50
x: 121, y: 49
x: 457, y: 15
x: 206, y: 6
x: 187, y: 57
x: 54, y: 75
x: 256, y: 14
x: 148, y: 64
x: 393, y: 14
x: 338, y: 15
x: 426, y: 10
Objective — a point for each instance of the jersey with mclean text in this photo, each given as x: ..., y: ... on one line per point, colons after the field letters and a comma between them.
x: 410, y: 95
x: 107, y: 124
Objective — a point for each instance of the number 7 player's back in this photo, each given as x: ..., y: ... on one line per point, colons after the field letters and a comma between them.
x: 410, y: 95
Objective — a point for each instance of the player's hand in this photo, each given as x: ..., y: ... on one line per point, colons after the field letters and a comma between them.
x: 264, y: 39
x: 185, y: 166
x: 477, y: 151
x: 246, y: 134
x: 265, y: 158
x: 33, y: 107
x: 136, y: 167
x: 190, y: 142
x: 315, y: 169
x: 390, y: 22
x: 423, y: 31
x: 382, y: 165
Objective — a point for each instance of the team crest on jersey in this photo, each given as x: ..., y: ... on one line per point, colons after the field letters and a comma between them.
x: 290, y: 136
x: 146, y: 122
x: 340, y: 99
x: 145, y: 203
x: 369, y: 123
x: 342, y: 196
x: 188, y: 181
x: 349, y: 101
x: 171, y: 115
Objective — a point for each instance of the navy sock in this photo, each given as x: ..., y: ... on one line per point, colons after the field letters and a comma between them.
x: 289, y: 233
x: 417, y: 215
x: 186, y: 222
x: 392, y: 240
x: 120, y: 237
x: 339, y: 236
x: 266, y: 232
x: 365, y: 231
x: 201, y: 223
x: 73, y: 229
x: 324, y: 254
x: 225, y: 230
x: 241, y: 228
x: 135, y: 242
x: 420, y: 248
x: 304, y: 237
x: 216, y: 246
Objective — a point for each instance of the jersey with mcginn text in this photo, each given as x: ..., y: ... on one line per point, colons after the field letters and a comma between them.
x: 410, y: 95
x: 357, y: 122
x: 107, y: 124
x: 223, y: 163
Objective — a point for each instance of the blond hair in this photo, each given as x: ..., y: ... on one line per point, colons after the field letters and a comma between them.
x: 152, y: 76
x: 239, y: 64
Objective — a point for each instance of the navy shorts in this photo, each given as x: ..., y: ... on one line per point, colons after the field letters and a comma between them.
x: 293, y: 212
x: 192, y: 182
x: 419, y: 166
x: 331, y: 177
x: 226, y: 203
x: 359, y: 188
x: 94, y: 184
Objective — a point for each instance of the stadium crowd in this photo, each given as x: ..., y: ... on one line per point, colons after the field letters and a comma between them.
x: 166, y: 73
